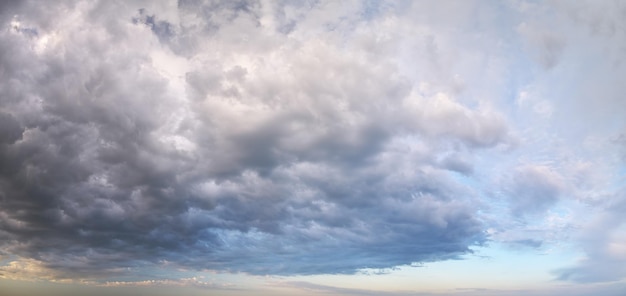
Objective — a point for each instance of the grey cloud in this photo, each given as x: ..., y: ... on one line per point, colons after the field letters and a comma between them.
x: 340, y: 291
x: 613, y: 289
x: 620, y: 141
x: 530, y: 243
x: 583, y: 35
x: 297, y: 159
x: 459, y: 162
x: 534, y: 189
x: 604, y: 243
x: 162, y: 29
x: 590, y: 108
x: 10, y: 129
x: 545, y: 46
x: 592, y: 271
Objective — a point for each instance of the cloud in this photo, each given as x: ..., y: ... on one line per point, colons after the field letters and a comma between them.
x: 339, y: 291
x: 183, y: 282
x: 292, y: 139
x: 26, y: 269
x: 305, y: 138
x: 604, y: 243
x: 547, y: 47
x: 235, y: 136
x: 11, y: 130
x: 587, y: 120
x: 535, y: 188
x: 613, y: 289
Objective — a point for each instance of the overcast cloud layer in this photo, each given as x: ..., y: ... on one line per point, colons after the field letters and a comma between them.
x: 307, y: 137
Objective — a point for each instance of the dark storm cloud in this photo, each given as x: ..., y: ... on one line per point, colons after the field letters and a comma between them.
x: 302, y: 160
x: 10, y: 129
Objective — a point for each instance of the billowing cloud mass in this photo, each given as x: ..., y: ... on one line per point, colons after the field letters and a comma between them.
x: 226, y: 137
x: 300, y: 137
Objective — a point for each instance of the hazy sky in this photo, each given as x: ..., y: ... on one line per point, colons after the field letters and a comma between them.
x: 313, y: 147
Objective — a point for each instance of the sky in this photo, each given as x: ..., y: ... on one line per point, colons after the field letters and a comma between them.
x: 310, y: 148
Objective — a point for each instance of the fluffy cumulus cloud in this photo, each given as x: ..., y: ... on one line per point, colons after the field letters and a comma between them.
x: 237, y: 136
x: 301, y: 137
